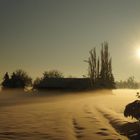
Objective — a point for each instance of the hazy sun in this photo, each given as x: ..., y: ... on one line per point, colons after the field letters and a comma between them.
x: 138, y: 53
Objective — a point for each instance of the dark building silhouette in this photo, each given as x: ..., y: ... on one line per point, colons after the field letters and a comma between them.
x: 64, y: 83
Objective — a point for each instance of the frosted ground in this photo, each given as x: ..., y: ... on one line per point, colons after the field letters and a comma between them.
x: 94, y: 115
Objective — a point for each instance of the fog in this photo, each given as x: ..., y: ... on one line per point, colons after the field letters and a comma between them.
x: 64, y: 115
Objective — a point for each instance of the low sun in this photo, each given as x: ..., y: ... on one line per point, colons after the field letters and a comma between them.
x: 138, y: 53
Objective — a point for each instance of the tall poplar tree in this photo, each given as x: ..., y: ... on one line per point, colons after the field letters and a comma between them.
x: 100, y: 70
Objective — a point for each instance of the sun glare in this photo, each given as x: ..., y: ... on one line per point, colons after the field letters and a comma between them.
x: 138, y: 53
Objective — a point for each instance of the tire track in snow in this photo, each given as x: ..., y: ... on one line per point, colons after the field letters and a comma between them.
x: 88, y: 124
x: 78, y: 129
x: 120, y: 124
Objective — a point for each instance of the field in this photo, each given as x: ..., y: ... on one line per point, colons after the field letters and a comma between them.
x: 94, y: 115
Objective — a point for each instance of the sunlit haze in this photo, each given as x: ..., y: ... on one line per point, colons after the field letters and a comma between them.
x: 39, y: 35
x: 138, y: 53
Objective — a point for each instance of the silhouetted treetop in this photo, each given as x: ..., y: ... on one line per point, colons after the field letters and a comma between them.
x: 18, y: 79
x: 55, y: 74
x: 52, y: 74
x: 6, y: 80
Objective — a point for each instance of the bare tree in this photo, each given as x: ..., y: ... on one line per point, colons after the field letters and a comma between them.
x: 100, y: 70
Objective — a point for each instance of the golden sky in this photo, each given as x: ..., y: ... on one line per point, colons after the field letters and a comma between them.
x: 39, y: 35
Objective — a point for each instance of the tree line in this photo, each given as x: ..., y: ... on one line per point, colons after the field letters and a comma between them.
x: 20, y: 79
x: 99, y: 73
x: 129, y: 83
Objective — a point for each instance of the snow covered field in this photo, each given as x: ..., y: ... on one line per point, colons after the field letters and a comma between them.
x: 94, y: 115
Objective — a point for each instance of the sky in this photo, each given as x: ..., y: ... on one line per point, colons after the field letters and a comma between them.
x: 40, y: 35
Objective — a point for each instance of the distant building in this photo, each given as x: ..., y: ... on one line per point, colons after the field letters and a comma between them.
x: 65, y: 83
